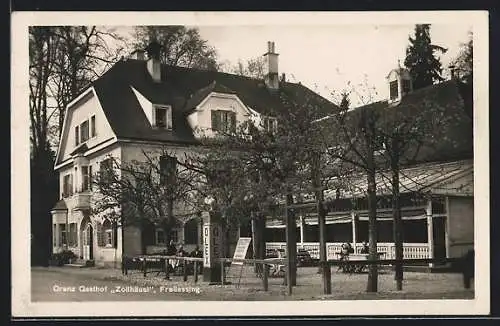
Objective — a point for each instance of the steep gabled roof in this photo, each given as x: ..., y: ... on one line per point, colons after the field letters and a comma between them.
x: 202, y: 93
x: 183, y: 88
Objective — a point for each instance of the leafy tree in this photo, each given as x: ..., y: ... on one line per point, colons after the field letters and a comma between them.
x: 424, y: 67
x: 181, y: 46
x: 464, y: 63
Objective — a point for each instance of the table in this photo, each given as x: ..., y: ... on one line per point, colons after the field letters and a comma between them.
x: 354, y: 268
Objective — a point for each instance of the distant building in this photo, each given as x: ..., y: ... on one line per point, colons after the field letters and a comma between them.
x: 437, y: 189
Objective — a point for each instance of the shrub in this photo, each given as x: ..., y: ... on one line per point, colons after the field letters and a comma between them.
x: 62, y: 257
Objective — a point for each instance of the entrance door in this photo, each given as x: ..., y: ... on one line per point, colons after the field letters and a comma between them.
x: 88, y: 243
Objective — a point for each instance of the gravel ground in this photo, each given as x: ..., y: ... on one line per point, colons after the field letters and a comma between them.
x: 309, y: 286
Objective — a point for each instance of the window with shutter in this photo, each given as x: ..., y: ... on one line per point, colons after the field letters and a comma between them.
x: 232, y: 126
x: 70, y: 185
x: 215, y: 120
x: 77, y: 135
x: 85, y: 178
x: 393, y: 88
x: 84, y: 131
x: 90, y: 177
x: 92, y: 126
x: 168, y: 168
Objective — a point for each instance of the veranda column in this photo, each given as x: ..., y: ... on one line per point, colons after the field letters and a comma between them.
x: 430, y: 231
x: 353, y: 221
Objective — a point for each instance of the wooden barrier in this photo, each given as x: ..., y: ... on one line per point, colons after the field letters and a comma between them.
x: 465, y: 265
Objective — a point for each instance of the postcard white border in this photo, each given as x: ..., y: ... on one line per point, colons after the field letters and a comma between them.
x: 21, y: 277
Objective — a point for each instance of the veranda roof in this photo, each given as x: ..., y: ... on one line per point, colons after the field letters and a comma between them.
x: 452, y: 178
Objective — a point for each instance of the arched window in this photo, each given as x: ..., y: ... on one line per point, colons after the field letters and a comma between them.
x: 109, y: 234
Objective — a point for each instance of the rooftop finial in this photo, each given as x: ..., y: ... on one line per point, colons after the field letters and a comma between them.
x: 399, y: 63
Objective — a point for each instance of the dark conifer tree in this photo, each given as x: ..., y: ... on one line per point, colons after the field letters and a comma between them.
x: 424, y: 67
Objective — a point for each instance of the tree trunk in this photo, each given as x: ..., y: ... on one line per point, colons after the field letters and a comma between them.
x: 396, y: 216
x: 324, y: 268
x: 291, y: 242
x: 372, y: 232
x: 323, y: 261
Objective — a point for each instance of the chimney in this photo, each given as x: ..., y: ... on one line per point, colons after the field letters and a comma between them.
x: 153, y: 64
x: 138, y: 55
x: 271, y: 77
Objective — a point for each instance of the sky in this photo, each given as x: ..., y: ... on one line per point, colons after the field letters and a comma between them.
x: 326, y: 57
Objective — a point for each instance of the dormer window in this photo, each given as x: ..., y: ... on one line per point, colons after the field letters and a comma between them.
x: 270, y: 124
x: 162, y: 117
x: 406, y: 85
x: 393, y: 88
x: 399, y: 82
x: 223, y: 121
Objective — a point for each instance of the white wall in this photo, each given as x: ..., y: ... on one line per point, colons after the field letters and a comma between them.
x: 146, y: 105
x: 78, y: 113
x: 460, y: 225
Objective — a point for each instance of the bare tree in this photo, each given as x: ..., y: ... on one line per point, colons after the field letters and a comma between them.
x: 144, y: 192
x: 180, y: 46
x: 254, y: 68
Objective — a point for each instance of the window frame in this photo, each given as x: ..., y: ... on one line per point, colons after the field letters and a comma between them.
x: 90, y: 130
x: 63, y: 240
x: 270, y: 124
x: 168, y: 123
x: 67, y: 185
x: 223, y: 121
x: 86, y: 181
x: 108, y: 234
x: 391, y: 89
x: 406, y: 86
x: 157, y: 237
x: 93, y: 132
x: 84, y: 132
x: 77, y: 135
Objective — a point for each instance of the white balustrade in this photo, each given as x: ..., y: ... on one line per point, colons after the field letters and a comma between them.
x: 410, y: 250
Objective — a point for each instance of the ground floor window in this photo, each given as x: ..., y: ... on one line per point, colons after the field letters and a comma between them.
x: 107, y: 234
x: 72, y: 235
x: 174, y: 236
x: 54, y: 235
x: 191, y: 232
x: 62, y: 235
x: 160, y: 237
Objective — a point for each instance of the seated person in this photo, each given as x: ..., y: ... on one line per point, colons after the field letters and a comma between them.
x: 171, y: 249
x: 197, y: 252
x: 350, y: 249
x: 365, y: 249
x: 181, y: 252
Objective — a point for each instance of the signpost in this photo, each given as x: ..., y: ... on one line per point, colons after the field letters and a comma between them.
x: 241, y: 250
x: 212, y: 248
x: 240, y: 253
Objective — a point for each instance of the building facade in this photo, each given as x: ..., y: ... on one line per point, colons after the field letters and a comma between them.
x: 141, y: 104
